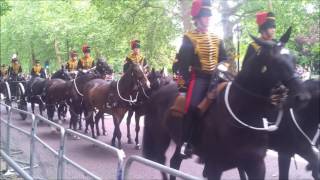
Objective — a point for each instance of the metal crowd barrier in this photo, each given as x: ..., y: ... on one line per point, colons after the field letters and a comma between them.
x: 154, y: 165
x: 117, y: 152
x: 15, y: 166
x: 122, y: 168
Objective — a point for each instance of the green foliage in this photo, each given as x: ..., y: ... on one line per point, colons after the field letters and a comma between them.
x: 302, y: 15
x: 107, y: 26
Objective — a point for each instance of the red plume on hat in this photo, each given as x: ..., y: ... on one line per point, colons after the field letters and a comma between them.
x: 85, y: 48
x: 261, y: 17
x: 135, y: 44
x: 196, y: 7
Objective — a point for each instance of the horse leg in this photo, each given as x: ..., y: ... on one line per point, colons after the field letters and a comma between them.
x: 32, y: 107
x: 137, y: 118
x: 103, y: 127
x: 130, y: 113
x: 284, y: 160
x: 242, y: 173
x: 212, y: 172
x: 97, y: 118
x: 255, y: 169
x: 117, y: 122
x: 80, y: 122
x: 113, y: 140
x: 90, y: 121
x: 175, y: 161
x: 40, y: 108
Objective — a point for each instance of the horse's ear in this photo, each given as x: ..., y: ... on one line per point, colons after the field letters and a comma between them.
x: 262, y: 42
x: 162, y: 70
x: 285, y: 37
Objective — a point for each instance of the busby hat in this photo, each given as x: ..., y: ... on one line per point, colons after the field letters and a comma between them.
x: 86, y: 48
x: 201, y: 8
x: 265, y: 20
x: 135, y: 44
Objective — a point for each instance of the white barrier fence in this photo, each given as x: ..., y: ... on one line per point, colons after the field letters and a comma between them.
x: 60, y: 159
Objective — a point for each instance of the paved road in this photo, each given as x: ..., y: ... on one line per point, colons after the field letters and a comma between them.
x: 103, y: 164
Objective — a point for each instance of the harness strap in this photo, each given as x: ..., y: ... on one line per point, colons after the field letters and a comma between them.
x: 265, y: 121
x: 316, y: 136
x: 75, y: 85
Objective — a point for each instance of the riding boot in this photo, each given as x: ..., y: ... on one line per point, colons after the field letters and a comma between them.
x: 190, y: 117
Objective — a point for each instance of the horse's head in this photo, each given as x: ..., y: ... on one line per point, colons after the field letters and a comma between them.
x: 137, y: 75
x: 155, y: 78
x: 102, y: 67
x: 273, y: 64
x: 62, y: 74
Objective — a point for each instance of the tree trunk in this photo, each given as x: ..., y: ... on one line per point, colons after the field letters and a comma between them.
x: 57, y: 51
x: 185, y: 8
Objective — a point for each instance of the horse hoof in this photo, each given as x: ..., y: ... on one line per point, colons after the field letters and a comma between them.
x: 137, y: 147
x: 98, y: 134
x: 86, y: 132
x: 129, y: 141
x: 113, y: 143
x: 104, y: 133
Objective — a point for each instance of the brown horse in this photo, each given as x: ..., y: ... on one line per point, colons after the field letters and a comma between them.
x: 113, y: 97
x: 156, y: 79
x: 231, y: 133
x: 76, y: 89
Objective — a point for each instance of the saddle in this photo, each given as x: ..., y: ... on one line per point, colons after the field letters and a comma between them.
x: 178, y: 107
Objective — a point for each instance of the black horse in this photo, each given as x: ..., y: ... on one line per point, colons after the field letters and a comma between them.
x: 54, y: 93
x: 231, y: 133
x: 290, y: 140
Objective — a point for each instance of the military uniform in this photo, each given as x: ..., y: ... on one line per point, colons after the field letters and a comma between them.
x: 264, y: 20
x: 198, y: 57
x: 135, y: 58
x: 86, y: 62
x: 38, y: 71
x: 3, y: 72
x: 72, y: 64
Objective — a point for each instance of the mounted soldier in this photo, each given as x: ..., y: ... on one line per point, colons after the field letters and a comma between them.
x: 3, y: 72
x: 37, y: 70
x: 86, y: 62
x: 135, y: 56
x: 267, y: 29
x: 198, y: 57
x: 72, y: 64
x: 15, y: 69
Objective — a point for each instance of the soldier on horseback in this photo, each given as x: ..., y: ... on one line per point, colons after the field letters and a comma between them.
x: 3, y: 72
x: 37, y: 70
x: 135, y: 56
x: 72, y: 64
x: 15, y: 69
x: 86, y: 62
x: 267, y: 29
x: 198, y: 57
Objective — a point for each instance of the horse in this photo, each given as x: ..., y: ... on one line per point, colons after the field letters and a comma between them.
x: 75, y: 88
x: 227, y: 136
x: 156, y: 79
x: 113, y: 97
x: 55, y: 92
x: 296, y: 133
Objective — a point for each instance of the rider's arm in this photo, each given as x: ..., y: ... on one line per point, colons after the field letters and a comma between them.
x: 186, y: 57
x: 249, y: 53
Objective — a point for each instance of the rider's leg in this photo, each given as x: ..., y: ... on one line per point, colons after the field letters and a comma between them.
x: 196, y: 92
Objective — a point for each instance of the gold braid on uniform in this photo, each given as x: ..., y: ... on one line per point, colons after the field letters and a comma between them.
x: 206, y: 47
x: 37, y: 69
x: 16, y: 67
x: 86, y: 62
x: 255, y: 46
x: 72, y: 65
x: 136, y: 58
